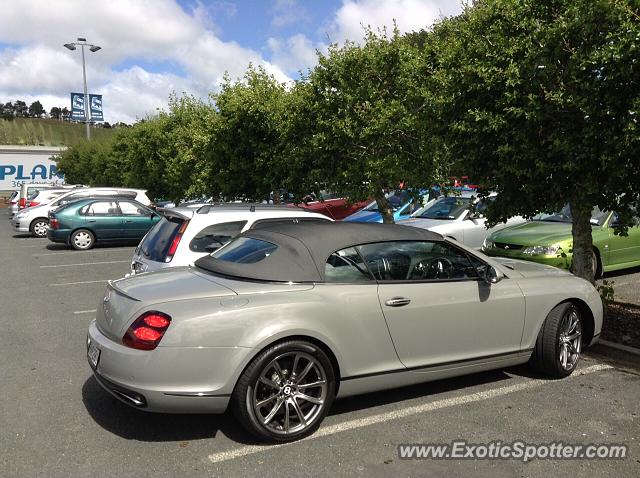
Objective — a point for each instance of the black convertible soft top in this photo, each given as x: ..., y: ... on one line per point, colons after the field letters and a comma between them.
x: 303, y: 249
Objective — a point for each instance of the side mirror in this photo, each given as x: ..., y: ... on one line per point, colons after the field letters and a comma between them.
x: 492, y: 275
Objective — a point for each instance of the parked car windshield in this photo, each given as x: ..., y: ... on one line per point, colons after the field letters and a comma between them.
x: 447, y: 208
x: 396, y: 199
x: 564, y: 215
x: 157, y: 242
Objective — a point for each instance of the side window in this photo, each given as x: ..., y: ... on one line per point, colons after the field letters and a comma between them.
x: 417, y: 261
x: 346, y: 266
x: 103, y: 208
x: 130, y: 209
x: 212, y: 237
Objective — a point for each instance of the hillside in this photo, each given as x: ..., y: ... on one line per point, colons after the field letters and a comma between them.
x: 45, y: 132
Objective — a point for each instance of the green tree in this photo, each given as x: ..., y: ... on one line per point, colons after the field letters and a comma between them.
x: 7, y: 111
x: 20, y: 109
x: 55, y: 113
x: 245, y: 156
x: 540, y: 100
x: 36, y: 110
x: 367, y: 136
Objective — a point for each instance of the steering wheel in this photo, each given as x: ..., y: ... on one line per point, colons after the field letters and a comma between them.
x: 440, y: 268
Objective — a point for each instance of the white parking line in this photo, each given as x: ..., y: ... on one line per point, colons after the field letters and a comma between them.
x: 37, y: 254
x: 78, y: 312
x: 85, y: 264
x: 403, y: 413
x: 76, y: 283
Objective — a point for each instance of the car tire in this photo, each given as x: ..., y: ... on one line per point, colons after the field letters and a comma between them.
x: 273, y: 399
x: 559, y: 343
x: 39, y: 227
x: 82, y: 240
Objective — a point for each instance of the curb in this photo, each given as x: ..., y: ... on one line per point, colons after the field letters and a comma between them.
x: 622, y: 348
x: 620, y: 354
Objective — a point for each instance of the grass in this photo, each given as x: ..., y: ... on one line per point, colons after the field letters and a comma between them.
x: 45, y: 132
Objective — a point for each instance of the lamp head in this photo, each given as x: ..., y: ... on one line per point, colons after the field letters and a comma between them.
x: 95, y: 48
x: 70, y: 46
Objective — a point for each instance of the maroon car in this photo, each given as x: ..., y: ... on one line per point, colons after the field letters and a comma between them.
x: 332, y: 205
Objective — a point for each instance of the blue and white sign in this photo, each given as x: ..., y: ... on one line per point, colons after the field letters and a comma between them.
x: 95, y: 108
x: 77, y: 106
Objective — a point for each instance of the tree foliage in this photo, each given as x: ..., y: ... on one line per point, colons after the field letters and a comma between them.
x: 368, y: 133
x: 541, y: 102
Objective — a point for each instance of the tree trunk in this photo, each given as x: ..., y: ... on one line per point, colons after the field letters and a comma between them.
x: 582, y: 265
x: 276, y: 196
x: 384, y: 206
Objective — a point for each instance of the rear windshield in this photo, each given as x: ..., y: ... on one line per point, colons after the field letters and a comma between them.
x: 157, y: 242
x: 245, y: 250
x: 13, y: 195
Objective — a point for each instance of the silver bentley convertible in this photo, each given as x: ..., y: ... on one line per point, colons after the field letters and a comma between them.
x: 284, y: 319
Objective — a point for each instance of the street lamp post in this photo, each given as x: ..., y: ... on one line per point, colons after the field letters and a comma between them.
x: 82, y: 42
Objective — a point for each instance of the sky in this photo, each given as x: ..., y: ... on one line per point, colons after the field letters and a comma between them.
x: 152, y: 48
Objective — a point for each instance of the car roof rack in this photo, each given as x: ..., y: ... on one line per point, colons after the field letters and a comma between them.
x: 252, y: 207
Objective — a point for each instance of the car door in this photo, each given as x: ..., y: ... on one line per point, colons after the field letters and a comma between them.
x: 136, y: 219
x: 104, y: 219
x: 437, y: 308
x: 621, y: 249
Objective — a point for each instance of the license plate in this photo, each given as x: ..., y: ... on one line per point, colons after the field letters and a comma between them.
x: 93, y: 354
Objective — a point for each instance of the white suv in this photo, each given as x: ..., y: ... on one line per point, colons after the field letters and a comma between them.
x: 36, y: 219
x: 184, y: 234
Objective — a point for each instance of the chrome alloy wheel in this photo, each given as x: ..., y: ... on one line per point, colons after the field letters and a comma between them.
x: 290, y: 393
x: 82, y: 240
x: 40, y: 228
x: 570, y: 339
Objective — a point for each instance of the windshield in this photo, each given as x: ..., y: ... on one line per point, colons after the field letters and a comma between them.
x: 397, y: 199
x: 447, y: 208
x: 564, y: 215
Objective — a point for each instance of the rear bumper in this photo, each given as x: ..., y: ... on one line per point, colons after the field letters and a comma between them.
x: 168, y: 379
x: 58, y: 235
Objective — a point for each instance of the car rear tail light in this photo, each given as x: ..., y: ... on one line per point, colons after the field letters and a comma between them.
x: 32, y: 203
x: 175, y: 242
x: 53, y: 223
x: 146, y: 331
x: 23, y: 203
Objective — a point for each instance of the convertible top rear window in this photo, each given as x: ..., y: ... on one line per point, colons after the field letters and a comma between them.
x: 245, y: 250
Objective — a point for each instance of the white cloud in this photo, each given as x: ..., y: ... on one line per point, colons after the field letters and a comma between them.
x: 410, y: 15
x: 296, y: 53
x: 185, y: 46
x: 147, y: 30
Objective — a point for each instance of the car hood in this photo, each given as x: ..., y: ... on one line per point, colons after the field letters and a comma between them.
x: 534, y: 233
x: 530, y: 269
x: 27, y: 211
x: 365, y: 216
x: 431, y: 224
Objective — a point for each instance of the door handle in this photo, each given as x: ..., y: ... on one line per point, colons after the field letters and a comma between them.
x: 91, y: 220
x: 128, y: 220
x: 397, y: 301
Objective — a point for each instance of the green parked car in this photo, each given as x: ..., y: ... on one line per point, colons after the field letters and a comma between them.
x: 82, y: 223
x: 547, y: 239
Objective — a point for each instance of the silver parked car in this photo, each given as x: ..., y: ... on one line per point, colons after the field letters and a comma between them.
x: 282, y: 320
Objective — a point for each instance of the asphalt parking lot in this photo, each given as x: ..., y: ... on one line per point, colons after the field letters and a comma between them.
x: 56, y: 421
